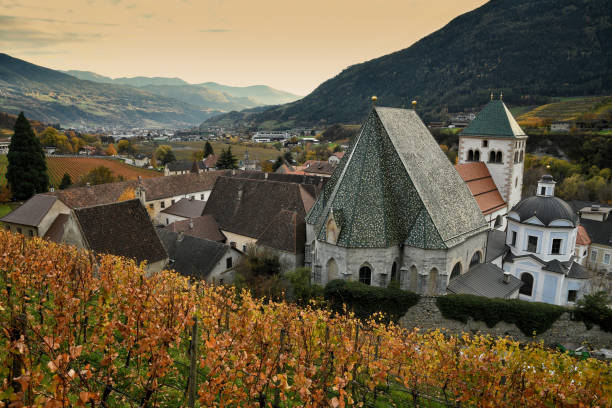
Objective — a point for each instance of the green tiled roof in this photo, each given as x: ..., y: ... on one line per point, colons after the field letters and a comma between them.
x: 494, y: 120
x: 396, y: 186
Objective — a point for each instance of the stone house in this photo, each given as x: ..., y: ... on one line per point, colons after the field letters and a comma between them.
x: 200, y: 258
x: 395, y: 208
x: 179, y: 167
x: 181, y: 210
x: 35, y: 216
x: 263, y: 213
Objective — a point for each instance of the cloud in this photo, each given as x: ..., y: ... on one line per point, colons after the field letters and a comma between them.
x: 14, y: 32
x: 216, y: 30
x: 4, y: 19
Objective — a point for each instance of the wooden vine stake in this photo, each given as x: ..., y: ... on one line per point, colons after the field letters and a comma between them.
x: 193, y: 351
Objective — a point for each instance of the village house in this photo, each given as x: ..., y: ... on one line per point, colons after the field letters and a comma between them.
x: 263, y: 213
x: 200, y: 258
x: 181, y: 210
x: 118, y: 228
x: 210, y: 162
x: 204, y: 227
x: 179, y: 167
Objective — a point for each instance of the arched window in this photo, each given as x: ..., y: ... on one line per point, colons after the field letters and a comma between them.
x: 432, y: 284
x: 365, y: 275
x: 521, y: 157
x: 498, y: 221
x: 470, y: 155
x: 477, y: 155
x: 394, y: 272
x: 527, y: 287
x: 414, y: 279
x: 492, y: 157
x: 516, y: 157
x: 332, y: 270
x: 475, y: 258
x: 456, y: 270
x: 498, y: 158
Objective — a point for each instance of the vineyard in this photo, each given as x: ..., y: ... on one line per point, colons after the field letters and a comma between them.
x: 85, y: 330
x: 77, y: 167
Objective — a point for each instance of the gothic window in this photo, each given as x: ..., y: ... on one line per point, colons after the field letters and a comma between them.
x: 470, y: 155
x: 432, y: 284
x: 521, y: 156
x: 456, y: 270
x: 332, y: 270
x: 516, y: 182
x: 475, y: 259
x: 394, y: 272
x: 477, y: 155
x: 516, y: 157
x: 414, y: 279
x: 365, y: 275
x: 492, y: 157
x: 498, y: 157
x: 527, y: 287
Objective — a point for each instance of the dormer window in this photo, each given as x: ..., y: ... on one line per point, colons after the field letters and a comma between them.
x: 532, y: 243
x: 543, y: 190
x: 556, y: 246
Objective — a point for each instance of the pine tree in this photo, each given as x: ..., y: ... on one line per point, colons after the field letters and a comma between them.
x: 227, y: 160
x: 66, y: 182
x: 27, y: 168
x: 278, y: 163
x: 208, y: 149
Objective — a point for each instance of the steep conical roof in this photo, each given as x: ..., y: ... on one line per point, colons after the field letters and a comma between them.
x: 494, y: 120
x: 397, y: 186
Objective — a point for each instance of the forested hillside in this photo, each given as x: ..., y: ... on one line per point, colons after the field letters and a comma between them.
x: 529, y: 49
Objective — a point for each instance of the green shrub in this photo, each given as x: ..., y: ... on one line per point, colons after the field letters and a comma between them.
x: 593, y: 309
x: 301, y: 289
x: 365, y: 300
x: 529, y: 317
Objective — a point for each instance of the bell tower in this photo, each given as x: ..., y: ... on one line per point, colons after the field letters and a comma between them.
x: 495, y: 138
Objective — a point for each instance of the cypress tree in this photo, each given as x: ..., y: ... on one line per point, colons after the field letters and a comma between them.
x: 27, y: 168
x: 66, y: 182
x: 227, y: 160
x: 208, y: 149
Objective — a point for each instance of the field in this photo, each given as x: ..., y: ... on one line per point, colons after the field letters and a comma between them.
x: 184, y: 150
x: 77, y: 333
x: 567, y: 109
x: 77, y: 167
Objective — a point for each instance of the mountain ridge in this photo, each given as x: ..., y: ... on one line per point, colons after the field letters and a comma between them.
x: 530, y: 50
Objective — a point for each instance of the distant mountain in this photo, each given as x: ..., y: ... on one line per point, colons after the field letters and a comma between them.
x: 262, y: 94
x: 207, y: 95
x: 52, y: 97
x: 529, y: 49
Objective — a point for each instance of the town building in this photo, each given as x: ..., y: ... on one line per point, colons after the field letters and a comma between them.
x: 179, y: 167
x: 395, y: 209
x: 270, y: 136
x: 181, y: 210
x: 204, y: 227
x: 199, y: 258
x: 541, y: 239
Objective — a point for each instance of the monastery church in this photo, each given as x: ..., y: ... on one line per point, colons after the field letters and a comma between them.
x: 397, y: 209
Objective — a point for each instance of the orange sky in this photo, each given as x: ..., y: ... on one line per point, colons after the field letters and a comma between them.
x: 290, y: 45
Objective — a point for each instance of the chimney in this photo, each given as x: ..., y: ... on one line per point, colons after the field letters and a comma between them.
x: 265, y: 176
x: 52, y: 189
x: 506, y: 277
x: 233, y: 244
x: 180, y: 237
x: 595, y: 207
x: 191, y: 224
x: 88, y: 184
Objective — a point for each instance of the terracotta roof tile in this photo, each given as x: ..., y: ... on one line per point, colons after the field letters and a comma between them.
x: 582, y: 237
x: 480, y: 183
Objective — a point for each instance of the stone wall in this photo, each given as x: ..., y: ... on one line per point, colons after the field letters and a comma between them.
x: 426, y: 316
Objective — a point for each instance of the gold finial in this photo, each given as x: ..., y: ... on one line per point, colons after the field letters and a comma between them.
x: 501, y: 95
x: 414, y: 103
x: 491, y: 95
x: 374, y: 99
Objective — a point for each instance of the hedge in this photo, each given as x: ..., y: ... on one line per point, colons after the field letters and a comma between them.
x: 593, y: 310
x: 365, y: 300
x: 530, y: 317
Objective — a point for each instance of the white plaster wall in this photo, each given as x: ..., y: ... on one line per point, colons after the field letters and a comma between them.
x: 240, y: 240
x: 545, y: 237
x: 167, y: 219
x: 155, y: 210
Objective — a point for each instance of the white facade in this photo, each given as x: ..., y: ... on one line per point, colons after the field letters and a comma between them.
x: 504, y: 157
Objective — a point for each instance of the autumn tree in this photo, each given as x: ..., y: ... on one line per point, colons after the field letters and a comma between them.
x: 124, y: 146
x: 227, y: 160
x: 66, y: 182
x: 27, y: 168
x: 99, y: 175
x: 110, y: 150
x: 208, y: 149
x: 165, y: 154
